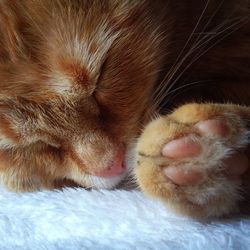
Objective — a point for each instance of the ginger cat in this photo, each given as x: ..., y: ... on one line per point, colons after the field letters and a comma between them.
x: 91, y: 90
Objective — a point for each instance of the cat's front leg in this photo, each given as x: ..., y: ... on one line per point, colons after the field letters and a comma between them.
x: 195, y: 159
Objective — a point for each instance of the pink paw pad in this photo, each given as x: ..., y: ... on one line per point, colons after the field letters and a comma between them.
x: 184, y: 147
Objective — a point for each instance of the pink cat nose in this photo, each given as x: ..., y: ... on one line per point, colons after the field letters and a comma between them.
x: 115, y: 168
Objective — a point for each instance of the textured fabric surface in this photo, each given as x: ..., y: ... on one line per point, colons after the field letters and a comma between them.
x: 79, y: 219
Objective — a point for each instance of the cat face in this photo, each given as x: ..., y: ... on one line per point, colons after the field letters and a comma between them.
x: 76, y: 84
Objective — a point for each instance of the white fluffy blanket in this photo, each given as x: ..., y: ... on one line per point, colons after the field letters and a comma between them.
x: 122, y: 220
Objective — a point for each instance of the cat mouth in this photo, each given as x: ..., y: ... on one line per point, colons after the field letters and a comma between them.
x: 114, y: 170
x: 109, y: 179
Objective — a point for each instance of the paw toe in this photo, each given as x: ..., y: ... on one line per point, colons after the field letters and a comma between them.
x: 213, y: 128
x: 183, y: 147
x: 183, y: 177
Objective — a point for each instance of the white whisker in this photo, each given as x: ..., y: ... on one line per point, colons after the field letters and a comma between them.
x: 203, y: 52
x: 198, y: 46
x: 175, y: 66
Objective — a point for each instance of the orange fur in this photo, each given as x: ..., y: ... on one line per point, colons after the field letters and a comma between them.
x: 179, y: 124
x: 79, y: 79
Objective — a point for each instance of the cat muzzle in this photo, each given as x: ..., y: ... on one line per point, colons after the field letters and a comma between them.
x: 115, y: 168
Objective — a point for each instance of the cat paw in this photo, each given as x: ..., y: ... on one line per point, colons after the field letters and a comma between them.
x: 194, y: 159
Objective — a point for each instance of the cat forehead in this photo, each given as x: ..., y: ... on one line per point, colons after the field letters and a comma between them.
x: 70, y: 45
x: 77, y: 59
x: 81, y: 41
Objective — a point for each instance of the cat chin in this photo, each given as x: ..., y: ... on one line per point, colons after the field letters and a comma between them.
x: 104, y: 183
